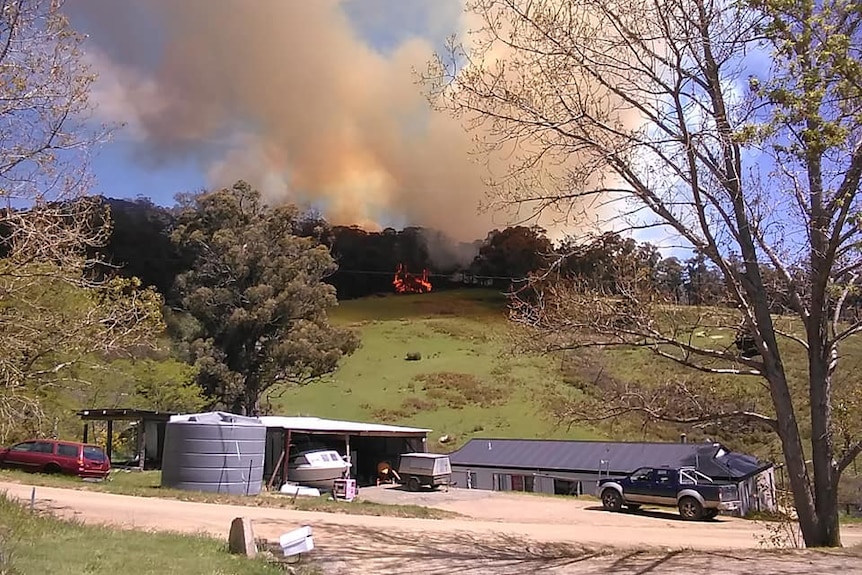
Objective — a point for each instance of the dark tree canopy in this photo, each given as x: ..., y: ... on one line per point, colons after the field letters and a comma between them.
x: 257, y: 293
x: 513, y: 252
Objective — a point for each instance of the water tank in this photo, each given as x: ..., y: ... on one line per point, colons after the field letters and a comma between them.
x: 216, y: 452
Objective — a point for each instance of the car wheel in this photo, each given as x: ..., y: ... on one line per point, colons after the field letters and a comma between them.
x: 710, y: 514
x: 51, y: 468
x: 413, y: 484
x: 690, y: 509
x: 612, y: 500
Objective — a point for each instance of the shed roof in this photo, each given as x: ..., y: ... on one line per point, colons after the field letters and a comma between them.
x: 124, y: 414
x: 713, y: 459
x: 333, y: 426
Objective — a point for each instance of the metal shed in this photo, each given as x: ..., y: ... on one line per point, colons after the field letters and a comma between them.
x: 367, y: 444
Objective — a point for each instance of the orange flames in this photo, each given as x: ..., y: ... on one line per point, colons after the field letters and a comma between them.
x: 405, y: 282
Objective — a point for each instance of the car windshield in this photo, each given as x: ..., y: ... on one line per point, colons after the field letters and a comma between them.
x: 94, y: 454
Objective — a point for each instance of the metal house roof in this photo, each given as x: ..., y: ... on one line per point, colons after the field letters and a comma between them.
x: 615, y: 457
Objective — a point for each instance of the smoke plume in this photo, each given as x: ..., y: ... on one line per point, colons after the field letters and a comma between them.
x: 288, y: 96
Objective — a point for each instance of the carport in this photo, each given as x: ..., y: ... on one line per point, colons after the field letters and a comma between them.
x: 367, y: 444
x: 149, y: 436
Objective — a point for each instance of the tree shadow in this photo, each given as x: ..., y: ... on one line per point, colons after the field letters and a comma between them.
x: 354, y: 549
x: 432, y: 553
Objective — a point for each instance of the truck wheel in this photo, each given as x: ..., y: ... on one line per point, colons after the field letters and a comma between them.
x: 690, y: 509
x: 612, y: 500
x: 413, y: 484
x: 710, y: 514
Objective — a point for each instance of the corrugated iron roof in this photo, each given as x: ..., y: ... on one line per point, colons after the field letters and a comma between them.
x: 319, y: 425
x: 614, y: 457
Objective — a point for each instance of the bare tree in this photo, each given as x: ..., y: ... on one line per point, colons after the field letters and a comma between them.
x: 734, y: 126
x: 53, y: 309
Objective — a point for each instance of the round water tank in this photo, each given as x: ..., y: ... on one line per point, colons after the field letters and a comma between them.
x: 216, y: 452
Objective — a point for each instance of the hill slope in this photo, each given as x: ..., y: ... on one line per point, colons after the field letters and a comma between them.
x: 466, y: 383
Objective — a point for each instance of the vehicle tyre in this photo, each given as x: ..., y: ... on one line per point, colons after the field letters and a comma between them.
x: 413, y: 484
x: 690, y: 509
x: 633, y: 506
x: 710, y: 514
x: 612, y: 500
x: 51, y: 468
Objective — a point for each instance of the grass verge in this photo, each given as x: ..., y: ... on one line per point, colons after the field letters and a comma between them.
x: 147, y: 484
x: 39, y: 543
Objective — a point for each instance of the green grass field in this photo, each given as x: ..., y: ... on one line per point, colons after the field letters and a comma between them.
x: 467, y: 383
x: 36, y: 543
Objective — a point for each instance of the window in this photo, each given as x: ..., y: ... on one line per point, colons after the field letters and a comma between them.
x: 522, y: 483
x: 662, y: 476
x: 67, y: 450
x: 94, y: 454
x: 642, y: 475
x: 500, y: 483
x: 43, y: 447
x: 26, y: 446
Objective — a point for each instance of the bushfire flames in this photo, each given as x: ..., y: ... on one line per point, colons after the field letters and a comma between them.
x: 405, y: 282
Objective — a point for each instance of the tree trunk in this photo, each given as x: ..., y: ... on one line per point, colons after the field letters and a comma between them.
x: 251, y: 397
x: 828, y: 529
x: 794, y: 457
x: 825, y: 469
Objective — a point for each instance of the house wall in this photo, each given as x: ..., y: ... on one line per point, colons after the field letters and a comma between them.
x: 533, y: 480
x: 757, y: 493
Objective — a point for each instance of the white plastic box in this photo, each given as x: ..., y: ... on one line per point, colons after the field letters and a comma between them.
x: 296, y: 541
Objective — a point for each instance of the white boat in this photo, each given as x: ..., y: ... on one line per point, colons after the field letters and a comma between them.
x: 317, y: 468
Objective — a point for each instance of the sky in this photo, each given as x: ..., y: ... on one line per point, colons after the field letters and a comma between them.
x: 311, y: 102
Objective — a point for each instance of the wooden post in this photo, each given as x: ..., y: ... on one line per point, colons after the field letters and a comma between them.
x: 110, y: 440
x: 286, y: 456
x: 349, y: 459
x: 142, y: 444
x: 86, y: 437
x: 275, y: 471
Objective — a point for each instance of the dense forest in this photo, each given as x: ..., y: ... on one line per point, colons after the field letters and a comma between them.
x: 140, y: 245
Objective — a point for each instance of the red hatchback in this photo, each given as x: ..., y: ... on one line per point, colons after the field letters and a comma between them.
x: 53, y: 456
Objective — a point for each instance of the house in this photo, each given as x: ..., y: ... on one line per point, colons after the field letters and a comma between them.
x: 367, y: 444
x: 574, y: 467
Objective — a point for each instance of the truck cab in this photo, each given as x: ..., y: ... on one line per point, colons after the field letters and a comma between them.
x: 696, y: 495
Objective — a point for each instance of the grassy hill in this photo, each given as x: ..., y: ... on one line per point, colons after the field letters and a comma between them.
x: 466, y: 384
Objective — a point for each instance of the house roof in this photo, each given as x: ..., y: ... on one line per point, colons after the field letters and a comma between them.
x: 333, y: 426
x: 613, y: 457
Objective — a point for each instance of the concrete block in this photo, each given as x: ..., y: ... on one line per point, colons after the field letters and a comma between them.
x: 241, y: 538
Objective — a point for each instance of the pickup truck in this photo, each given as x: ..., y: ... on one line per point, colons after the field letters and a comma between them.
x: 696, y: 495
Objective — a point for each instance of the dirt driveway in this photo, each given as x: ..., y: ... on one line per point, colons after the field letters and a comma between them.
x: 573, y: 539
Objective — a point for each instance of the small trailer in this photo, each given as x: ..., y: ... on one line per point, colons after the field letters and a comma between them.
x: 424, y: 469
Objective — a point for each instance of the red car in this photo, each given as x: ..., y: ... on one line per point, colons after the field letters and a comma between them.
x: 53, y: 456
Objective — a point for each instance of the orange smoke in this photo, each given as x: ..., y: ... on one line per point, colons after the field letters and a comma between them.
x: 405, y: 282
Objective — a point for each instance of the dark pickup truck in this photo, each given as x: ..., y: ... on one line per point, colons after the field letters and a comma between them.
x: 693, y: 493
